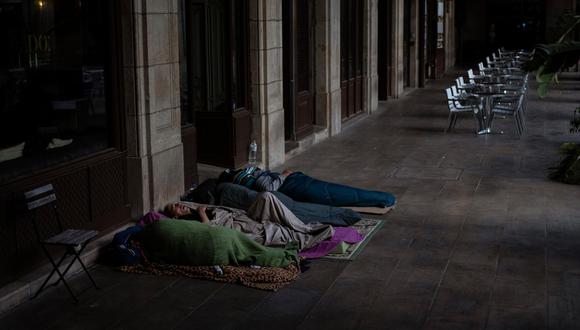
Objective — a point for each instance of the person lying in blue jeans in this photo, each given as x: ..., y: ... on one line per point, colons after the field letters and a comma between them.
x: 304, y: 188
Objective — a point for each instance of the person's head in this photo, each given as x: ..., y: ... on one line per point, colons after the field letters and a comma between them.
x: 226, y: 176
x: 176, y: 210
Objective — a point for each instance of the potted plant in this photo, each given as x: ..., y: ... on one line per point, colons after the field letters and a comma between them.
x: 575, y: 122
x: 549, y: 60
x: 568, y: 171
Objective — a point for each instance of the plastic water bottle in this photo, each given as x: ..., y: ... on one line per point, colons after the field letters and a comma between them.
x: 218, y: 270
x: 253, y: 153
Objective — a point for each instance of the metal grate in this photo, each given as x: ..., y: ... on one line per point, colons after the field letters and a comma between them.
x: 108, y: 187
x: 73, y: 199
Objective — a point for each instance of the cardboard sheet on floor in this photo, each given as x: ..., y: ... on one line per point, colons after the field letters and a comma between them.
x: 370, y: 210
x: 366, y: 228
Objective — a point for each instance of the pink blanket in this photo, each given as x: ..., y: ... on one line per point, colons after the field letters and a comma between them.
x: 150, y: 218
x: 341, y: 234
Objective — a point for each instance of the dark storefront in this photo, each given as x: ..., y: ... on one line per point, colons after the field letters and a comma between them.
x: 61, y: 119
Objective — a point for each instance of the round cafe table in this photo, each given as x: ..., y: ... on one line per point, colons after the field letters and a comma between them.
x: 501, y: 62
x: 487, y: 92
x: 467, y: 87
x: 474, y: 100
x: 490, y: 80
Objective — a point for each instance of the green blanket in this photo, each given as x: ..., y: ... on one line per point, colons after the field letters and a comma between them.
x: 192, y: 243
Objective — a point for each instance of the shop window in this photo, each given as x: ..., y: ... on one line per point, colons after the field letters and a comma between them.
x: 54, y: 68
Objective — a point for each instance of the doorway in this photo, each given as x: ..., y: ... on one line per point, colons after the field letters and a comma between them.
x: 298, y: 37
x: 385, y: 54
x: 407, y: 43
x: 351, y: 59
x: 215, y: 117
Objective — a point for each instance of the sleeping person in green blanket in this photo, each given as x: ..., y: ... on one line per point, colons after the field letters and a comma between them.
x: 267, y: 221
x: 195, y: 244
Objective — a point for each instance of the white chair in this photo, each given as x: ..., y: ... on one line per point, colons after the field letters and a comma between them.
x: 513, y: 97
x: 460, y: 83
x: 456, y: 107
x: 511, y: 109
x: 454, y: 91
x: 471, y: 76
x: 504, y: 53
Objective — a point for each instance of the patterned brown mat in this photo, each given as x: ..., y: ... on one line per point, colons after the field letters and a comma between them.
x: 265, y: 278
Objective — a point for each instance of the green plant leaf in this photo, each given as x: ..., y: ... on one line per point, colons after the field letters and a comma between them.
x: 542, y: 90
x: 568, y: 170
x: 544, y: 79
x: 554, y: 57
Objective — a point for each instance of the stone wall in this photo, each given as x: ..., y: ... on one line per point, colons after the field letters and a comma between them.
x: 267, y: 84
x: 151, y: 60
x: 327, y: 65
x: 370, y: 56
x: 398, y: 44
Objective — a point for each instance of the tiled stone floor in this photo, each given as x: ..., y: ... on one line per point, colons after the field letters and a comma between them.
x: 480, y: 238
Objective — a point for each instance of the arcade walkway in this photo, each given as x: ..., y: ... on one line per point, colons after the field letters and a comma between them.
x: 480, y: 238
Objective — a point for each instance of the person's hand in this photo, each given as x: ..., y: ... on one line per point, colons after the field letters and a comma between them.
x: 287, y: 172
x: 203, y: 217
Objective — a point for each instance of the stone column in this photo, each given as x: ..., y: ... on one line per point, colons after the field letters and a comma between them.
x: 414, y: 49
x: 151, y: 68
x: 267, y: 90
x: 370, y: 55
x: 327, y: 69
x: 398, y: 44
x: 449, y: 34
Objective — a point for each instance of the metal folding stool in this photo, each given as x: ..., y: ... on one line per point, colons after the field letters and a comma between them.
x: 74, y: 241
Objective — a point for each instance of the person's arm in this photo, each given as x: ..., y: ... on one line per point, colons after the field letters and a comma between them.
x: 269, y: 181
x: 201, y: 211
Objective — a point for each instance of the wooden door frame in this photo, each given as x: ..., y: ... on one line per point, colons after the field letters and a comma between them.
x: 232, y: 125
x: 421, y: 38
x: 407, y: 31
x: 290, y: 93
x: 385, y: 59
x: 351, y: 83
x: 431, y: 38
x: 289, y: 68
